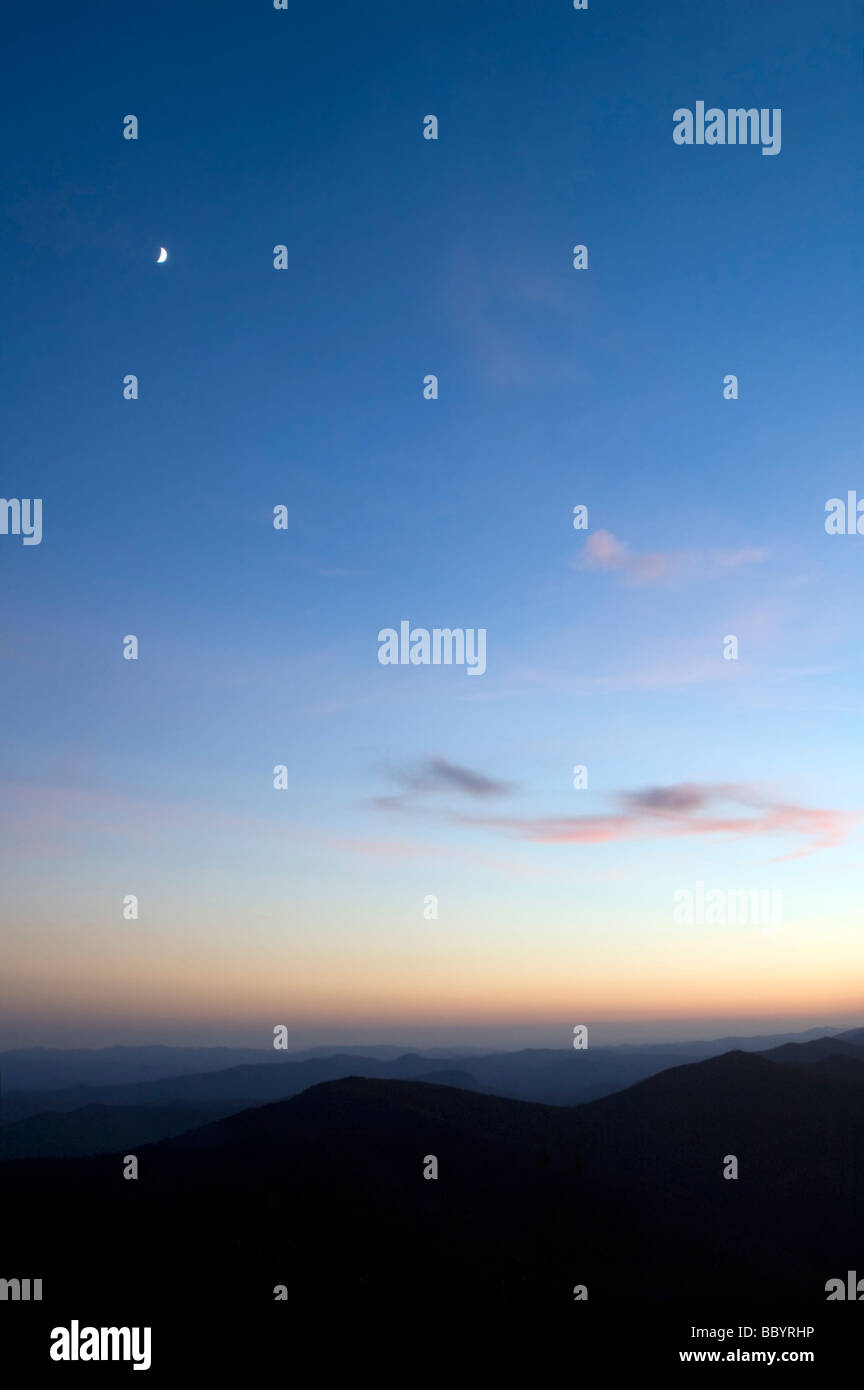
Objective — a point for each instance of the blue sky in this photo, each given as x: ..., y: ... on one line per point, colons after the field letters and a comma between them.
x: 304, y: 387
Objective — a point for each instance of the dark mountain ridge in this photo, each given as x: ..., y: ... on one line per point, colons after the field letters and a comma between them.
x: 326, y: 1192
x: 57, y: 1125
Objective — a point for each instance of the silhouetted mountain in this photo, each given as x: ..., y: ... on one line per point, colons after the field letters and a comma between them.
x: 461, y: 1080
x: 842, y: 1068
x: 556, y: 1077
x: 53, y: 1069
x: 799, y: 1054
x: 543, y: 1075
x: 244, y: 1085
x: 565, y: 1077
x: 715, y: 1047
x: 98, y: 1119
x: 33, y: 1069
x: 325, y: 1193
x: 681, y: 1123
x: 96, y: 1129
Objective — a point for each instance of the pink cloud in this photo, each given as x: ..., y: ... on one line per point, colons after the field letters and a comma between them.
x: 681, y: 811
x: 605, y: 552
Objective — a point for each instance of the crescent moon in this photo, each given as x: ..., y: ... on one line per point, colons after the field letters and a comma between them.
x: 163, y: 255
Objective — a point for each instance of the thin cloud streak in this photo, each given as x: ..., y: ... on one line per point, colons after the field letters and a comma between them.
x: 681, y: 811
x: 437, y: 775
x: 603, y: 551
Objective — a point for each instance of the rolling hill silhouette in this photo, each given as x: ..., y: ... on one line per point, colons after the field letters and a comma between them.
x: 547, y: 1076
x: 543, y: 1074
x: 799, y: 1054
x: 53, y: 1068
x: 94, y: 1129
x: 325, y: 1193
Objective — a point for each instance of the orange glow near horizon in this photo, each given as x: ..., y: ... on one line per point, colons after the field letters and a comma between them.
x: 763, y: 982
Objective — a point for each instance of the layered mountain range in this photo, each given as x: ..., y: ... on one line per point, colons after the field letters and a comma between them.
x: 332, y: 1188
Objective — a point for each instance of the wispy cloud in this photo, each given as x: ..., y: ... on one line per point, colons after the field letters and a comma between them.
x: 686, y: 809
x: 437, y: 775
x: 604, y: 551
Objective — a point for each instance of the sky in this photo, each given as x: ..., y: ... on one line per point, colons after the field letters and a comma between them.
x: 603, y: 387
